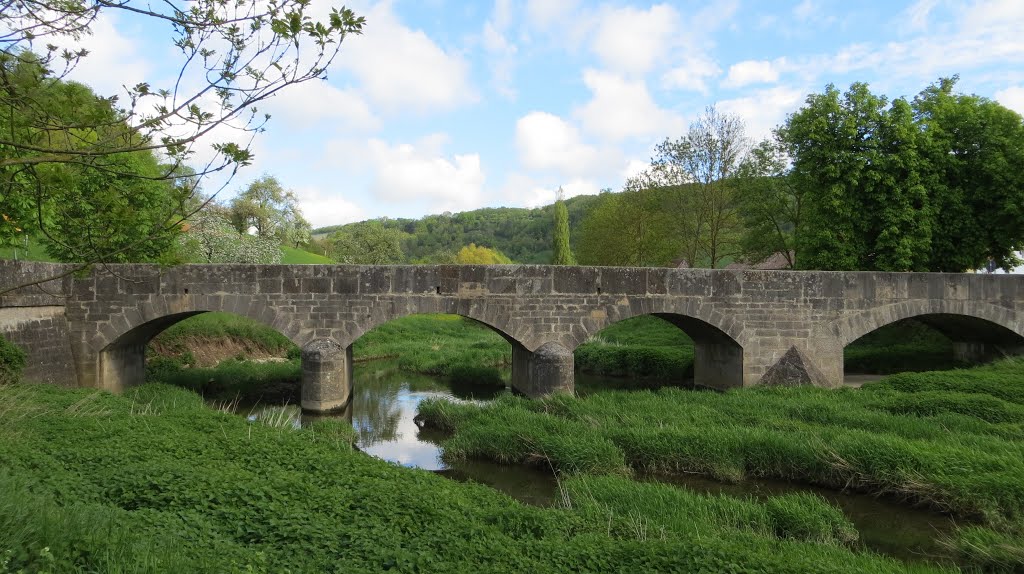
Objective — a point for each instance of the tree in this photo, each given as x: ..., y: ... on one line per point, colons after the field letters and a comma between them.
x: 480, y: 255
x: 271, y: 210
x: 211, y: 238
x: 973, y: 149
x: 234, y: 55
x: 771, y: 204
x: 630, y: 228
x: 699, y: 170
x: 933, y: 185
x: 563, y: 253
x: 369, y: 244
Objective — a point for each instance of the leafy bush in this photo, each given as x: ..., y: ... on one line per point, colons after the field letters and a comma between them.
x: 12, y: 362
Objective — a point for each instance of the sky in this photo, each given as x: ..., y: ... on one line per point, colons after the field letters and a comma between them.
x: 444, y: 105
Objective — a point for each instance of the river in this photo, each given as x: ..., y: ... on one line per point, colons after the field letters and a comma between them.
x: 383, y: 411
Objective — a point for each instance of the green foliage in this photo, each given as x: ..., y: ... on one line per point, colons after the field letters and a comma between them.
x: 12, y: 361
x: 524, y: 235
x: 906, y: 186
x: 473, y: 254
x: 435, y: 344
x: 562, y: 252
x: 155, y: 482
x: 266, y: 206
x: 771, y: 205
x: 631, y: 228
x: 370, y: 244
x: 844, y: 439
x: 294, y: 256
x: 907, y: 345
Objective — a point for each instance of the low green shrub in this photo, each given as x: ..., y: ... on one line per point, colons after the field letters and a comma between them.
x: 12, y: 362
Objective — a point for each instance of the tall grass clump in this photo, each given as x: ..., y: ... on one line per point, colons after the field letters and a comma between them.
x: 645, y: 347
x: 907, y: 345
x: 153, y: 482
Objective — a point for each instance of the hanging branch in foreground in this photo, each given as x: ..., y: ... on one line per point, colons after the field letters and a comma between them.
x: 100, y: 177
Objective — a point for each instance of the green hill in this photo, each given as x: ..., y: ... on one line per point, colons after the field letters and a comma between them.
x: 524, y: 235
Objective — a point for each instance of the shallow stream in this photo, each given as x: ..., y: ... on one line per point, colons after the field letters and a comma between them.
x: 384, y: 406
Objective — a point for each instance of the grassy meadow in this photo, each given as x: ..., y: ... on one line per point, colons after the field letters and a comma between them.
x: 953, y: 441
x: 155, y: 481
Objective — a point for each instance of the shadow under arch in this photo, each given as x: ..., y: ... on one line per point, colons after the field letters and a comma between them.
x: 979, y: 331
x: 717, y: 355
x: 122, y: 359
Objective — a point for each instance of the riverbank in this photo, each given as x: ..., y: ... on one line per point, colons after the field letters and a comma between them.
x: 155, y: 481
x: 953, y: 441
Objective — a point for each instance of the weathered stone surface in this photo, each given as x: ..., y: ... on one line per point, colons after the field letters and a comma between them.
x: 794, y: 369
x: 91, y: 329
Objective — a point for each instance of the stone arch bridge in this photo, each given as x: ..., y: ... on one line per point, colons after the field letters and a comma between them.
x: 749, y: 327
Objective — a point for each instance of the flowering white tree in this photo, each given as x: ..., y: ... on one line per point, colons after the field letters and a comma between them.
x: 210, y: 238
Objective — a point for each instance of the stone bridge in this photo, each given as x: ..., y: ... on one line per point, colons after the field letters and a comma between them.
x: 749, y: 327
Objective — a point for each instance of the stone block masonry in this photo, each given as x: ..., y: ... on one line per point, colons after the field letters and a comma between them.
x: 749, y: 327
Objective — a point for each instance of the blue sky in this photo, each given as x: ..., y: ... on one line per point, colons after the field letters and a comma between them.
x: 448, y: 106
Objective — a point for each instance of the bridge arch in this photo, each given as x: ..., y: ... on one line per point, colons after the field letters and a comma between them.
x: 985, y: 321
x: 717, y: 339
x: 120, y: 344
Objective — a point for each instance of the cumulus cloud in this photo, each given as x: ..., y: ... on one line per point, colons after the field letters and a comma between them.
x: 631, y: 41
x: 763, y: 110
x: 322, y: 209
x: 315, y: 102
x: 753, y: 72
x: 621, y: 108
x: 398, y: 67
x: 109, y: 50
x: 1012, y: 98
x: 413, y: 173
x: 691, y: 74
x: 546, y: 141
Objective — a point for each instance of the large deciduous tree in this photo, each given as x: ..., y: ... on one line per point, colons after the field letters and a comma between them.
x: 233, y: 55
x: 210, y: 237
x: 629, y: 228
x: 771, y: 205
x: 474, y: 254
x: 929, y: 185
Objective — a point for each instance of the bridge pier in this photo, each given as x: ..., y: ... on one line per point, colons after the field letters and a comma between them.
x: 717, y: 365
x: 326, y: 376
x: 547, y: 370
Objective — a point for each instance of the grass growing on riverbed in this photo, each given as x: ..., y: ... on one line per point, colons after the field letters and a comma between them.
x: 153, y: 481
x: 958, y: 451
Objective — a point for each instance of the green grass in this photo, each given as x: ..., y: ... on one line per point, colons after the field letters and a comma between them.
x: 295, y: 256
x: 32, y: 250
x: 645, y: 347
x: 956, y: 449
x: 153, y: 481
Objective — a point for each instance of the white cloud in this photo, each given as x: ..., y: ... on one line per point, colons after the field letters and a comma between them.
x: 1012, y: 98
x: 114, y: 59
x: 502, y: 52
x: 916, y: 16
x: 322, y: 209
x: 545, y: 13
x: 420, y: 172
x: 763, y: 110
x: 632, y: 41
x: 315, y: 102
x: 398, y: 67
x: 622, y: 109
x: 546, y: 141
x: 692, y: 74
x: 805, y: 10
x: 753, y: 72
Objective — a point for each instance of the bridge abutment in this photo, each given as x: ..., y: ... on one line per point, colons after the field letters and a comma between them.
x: 326, y: 376
x: 547, y: 370
x: 717, y: 365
